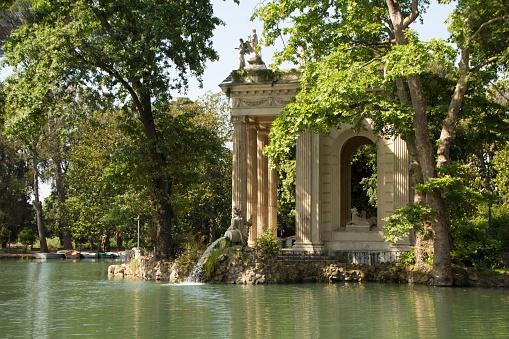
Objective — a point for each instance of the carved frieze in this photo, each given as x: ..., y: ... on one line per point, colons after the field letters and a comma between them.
x: 261, y: 102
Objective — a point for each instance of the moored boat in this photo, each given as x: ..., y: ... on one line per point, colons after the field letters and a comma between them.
x: 49, y: 256
x: 108, y: 255
x: 72, y: 254
x: 89, y: 255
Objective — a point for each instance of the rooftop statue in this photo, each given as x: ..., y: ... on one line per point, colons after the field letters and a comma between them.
x: 248, y: 47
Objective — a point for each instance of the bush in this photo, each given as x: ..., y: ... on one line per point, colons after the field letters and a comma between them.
x: 27, y: 237
x: 473, y: 246
x: 407, y: 258
x: 268, y: 243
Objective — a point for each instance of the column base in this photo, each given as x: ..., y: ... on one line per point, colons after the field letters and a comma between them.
x: 308, y: 247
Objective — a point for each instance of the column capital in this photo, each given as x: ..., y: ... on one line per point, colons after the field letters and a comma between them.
x: 263, y: 128
x: 239, y: 119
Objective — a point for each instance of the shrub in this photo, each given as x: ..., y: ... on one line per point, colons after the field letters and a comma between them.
x: 27, y: 237
x: 268, y: 243
x: 473, y: 246
x: 407, y: 258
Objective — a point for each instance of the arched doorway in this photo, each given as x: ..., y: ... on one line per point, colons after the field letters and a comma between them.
x: 347, y: 151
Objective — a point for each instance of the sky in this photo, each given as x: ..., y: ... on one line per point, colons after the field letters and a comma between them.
x: 238, y: 25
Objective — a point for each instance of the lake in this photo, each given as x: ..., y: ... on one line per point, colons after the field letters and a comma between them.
x: 63, y: 298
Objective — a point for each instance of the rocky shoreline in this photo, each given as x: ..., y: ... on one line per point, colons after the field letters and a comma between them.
x: 248, y: 266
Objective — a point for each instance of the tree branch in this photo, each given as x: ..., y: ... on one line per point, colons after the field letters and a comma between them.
x: 484, y: 63
x: 100, y: 15
x: 487, y: 23
x: 413, y: 15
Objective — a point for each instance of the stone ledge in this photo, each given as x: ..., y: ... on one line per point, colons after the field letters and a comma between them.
x: 249, y: 267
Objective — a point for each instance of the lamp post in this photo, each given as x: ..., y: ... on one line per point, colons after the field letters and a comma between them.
x: 138, y: 232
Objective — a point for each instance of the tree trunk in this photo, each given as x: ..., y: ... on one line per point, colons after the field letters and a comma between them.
x: 37, y: 204
x: 59, y: 185
x: 442, y: 267
x: 451, y: 120
x: 423, y: 239
x: 120, y: 241
x: 162, y: 183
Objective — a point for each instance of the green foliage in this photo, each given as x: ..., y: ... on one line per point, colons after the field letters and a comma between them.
x: 267, y: 242
x: 108, y: 176
x: 129, y: 57
x: 501, y: 166
x: 286, y: 194
x: 13, y: 14
x: 364, y: 179
x: 404, y: 219
x: 407, y: 258
x: 407, y: 60
x: 498, y: 224
x: 15, y: 177
x: 196, y: 137
x: 460, y: 186
x: 473, y: 245
x: 27, y: 237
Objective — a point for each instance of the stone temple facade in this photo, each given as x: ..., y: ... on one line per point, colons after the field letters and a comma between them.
x: 325, y: 219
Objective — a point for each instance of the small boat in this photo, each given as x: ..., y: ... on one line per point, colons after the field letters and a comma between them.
x: 49, y: 256
x: 108, y: 255
x: 89, y: 255
x: 72, y: 254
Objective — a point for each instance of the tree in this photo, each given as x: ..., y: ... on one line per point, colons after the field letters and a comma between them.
x: 15, y: 211
x: 107, y: 170
x: 27, y: 237
x: 201, y: 130
x: 24, y: 127
x: 128, y: 49
x: 354, y: 46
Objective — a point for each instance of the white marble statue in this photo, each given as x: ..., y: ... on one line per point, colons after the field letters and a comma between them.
x: 253, y: 40
x: 248, y: 47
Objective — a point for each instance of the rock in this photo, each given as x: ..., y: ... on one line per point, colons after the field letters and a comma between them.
x: 245, y: 266
x: 460, y: 276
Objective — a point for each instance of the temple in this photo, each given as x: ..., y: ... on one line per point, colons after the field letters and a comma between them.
x: 325, y: 217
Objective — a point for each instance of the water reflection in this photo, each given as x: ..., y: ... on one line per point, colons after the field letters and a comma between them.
x: 37, y: 285
x: 58, y: 299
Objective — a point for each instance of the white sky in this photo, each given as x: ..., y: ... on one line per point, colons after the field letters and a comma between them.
x: 238, y: 25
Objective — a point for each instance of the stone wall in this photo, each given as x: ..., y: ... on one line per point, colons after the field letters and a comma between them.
x: 248, y: 266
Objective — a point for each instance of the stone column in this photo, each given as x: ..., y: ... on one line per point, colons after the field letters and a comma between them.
x: 252, y: 183
x: 239, y: 168
x: 303, y: 192
x: 401, y: 181
x: 307, y: 195
x: 263, y: 180
x: 316, y: 192
x: 272, y: 197
x: 402, y: 189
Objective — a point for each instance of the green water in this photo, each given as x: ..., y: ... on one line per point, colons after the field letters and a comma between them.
x: 62, y: 299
